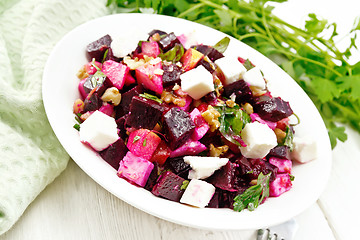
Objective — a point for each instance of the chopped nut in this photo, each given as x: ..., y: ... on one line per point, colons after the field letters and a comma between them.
x: 230, y: 103
x: 112, y: 95
x: 253, y: 182
x: 169, y: 97
x: 218, y: 151
x: 133, y: 63
x: 158, y: 71
x: 81, y: 74
x: 176, y: 87
x: 280, y: 135
x: 78, y: 106
x: 211, y: 117
x: 179, y: 102
x: 257, y: 92
x: 156, y: 37
x: 248, y: 108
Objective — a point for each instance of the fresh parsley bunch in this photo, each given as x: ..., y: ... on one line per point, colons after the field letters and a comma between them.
x: 308, y: 55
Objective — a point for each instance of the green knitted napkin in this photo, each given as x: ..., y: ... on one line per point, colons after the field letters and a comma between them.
x: 30, y: 155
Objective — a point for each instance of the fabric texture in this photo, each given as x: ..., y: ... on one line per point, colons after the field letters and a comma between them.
x: 30, y: 155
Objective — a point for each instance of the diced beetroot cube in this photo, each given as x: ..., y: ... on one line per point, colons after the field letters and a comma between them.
x: 86, y: 86
x: 179, y: 166
x: 178, y: 126
x: 161, y: 153
x: 168, y: 41
x: 260, y: 166
x: 144, y: 113
x: 120, y: 122
x: 188, y: 101
x: 189, y: 148
x: 110, y: 56
x: 273, y: 109
x: 143, y: 143
x: 201, y: 126
x: 280, y: 152
x: 224, y: 178
x: 214, y: 202
x: 283, y: 165
x: 241, y: 90
x: 114, y: 153
x: 150, y: 77
x: 124, y: 106
x: 135, y: 169
x: 92, y: 102
x: 171, y: 74
x: 97, y: 48
x: 107, y: 108
x: 150, y: 49
x: 116, y: 72
x: 154, y: 175
x: 169, y: 186
x: 209, y: 51
x: 129, y: 80
x: 281, y: 184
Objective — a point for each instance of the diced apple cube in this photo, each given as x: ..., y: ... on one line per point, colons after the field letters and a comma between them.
x: 259, y: 140
x: 232, y: 69
x: 201, y: 126
x: 116, y: 72
x: 188, y: 148
x: 99, y: 131
x: 204, y: 167
x: 149, y: 76
x: 305, y: 149
x: 143, y: 143
x: 198, y: 193
x: 190, y: 59
x: 254, y: 78
x: 281, y: 184
x: 150, y: 49
x: 197, y: 82
x: 135, y: 169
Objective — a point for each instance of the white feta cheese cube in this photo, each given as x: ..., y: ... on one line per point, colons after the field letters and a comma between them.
x: 254, y: 78
x: 198, y: 193
x: 197, y: 82
x: 204, y: 167
x: 122, y: 45
x: 99, y: 131
x: 232, y: 69
x: 259, y: 140
x: 305, y: 149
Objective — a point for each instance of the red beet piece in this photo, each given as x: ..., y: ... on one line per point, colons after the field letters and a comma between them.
x: 260, y: 166
x: 121, y: 125
x: 209, y: 51
x: 114, y: 153
x: 144, y: 113
x: 124, y: 106
x: 169, y: 186
x: 178, y: 166
x: 273, y: 109
x: 152, y: 177
x: 92, y: 102
x: 168, y: 41
x: 178, y: 127
x: 101, y: 85
x: 224, y: 178
x: 97, y: 48
x: 280, y: 152
x: 241, y: 90
x: 171, y: 74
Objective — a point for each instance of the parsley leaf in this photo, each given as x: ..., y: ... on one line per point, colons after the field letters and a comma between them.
x: 151, y: 97
x: 254, y: 195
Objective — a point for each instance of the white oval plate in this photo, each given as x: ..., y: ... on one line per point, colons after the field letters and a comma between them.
x: 60, y: 90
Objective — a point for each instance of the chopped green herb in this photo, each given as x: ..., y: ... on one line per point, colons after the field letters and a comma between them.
x: 222, y: 45
x: 248, y: 65
x: 184, y: 184
x: 105, y: 55
x: 144, y: 142
x: 174, y: 54
x: 151, y: 97
x: 254, y: 195
x: 136, y: 138
x: 292, y: 177
x: 77, y: 126
x: 289, y: 137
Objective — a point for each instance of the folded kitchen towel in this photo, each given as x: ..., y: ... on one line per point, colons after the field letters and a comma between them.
x: 30, y: 155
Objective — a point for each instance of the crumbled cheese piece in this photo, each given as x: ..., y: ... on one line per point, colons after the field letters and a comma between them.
x: 204, y: 167
x: 255, y: 78
x: 198, y: 193
x: 99, y: 131
x: 259, y: 140
x: 232, y: 69
x: 305, y: 149
x: 197, y: 82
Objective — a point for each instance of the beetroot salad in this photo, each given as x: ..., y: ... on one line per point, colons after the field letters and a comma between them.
x: 189, y: 124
